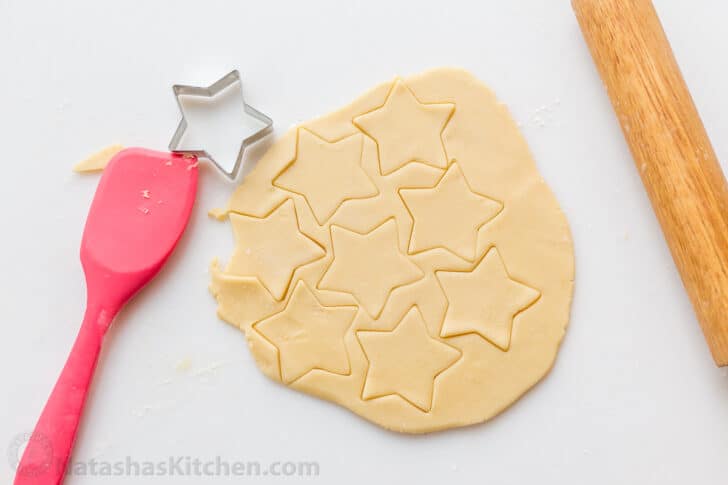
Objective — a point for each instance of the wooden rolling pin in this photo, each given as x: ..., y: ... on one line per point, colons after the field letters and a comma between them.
x: 671, y: 149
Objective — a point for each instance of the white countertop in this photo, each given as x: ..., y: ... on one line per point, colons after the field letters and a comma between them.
x: 634, y: 396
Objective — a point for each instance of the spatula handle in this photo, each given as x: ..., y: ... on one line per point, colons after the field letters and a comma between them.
x: 672, y: 151
x: 46, y: 454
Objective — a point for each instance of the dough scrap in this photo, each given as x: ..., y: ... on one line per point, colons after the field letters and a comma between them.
x: 402, y: 257
x: 98, y: 161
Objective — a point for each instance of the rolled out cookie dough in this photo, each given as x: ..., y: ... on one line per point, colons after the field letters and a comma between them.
x: 402, y: 257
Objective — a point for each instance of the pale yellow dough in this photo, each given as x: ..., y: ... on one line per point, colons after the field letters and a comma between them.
x: 98, y: 161
x: 402, y: 257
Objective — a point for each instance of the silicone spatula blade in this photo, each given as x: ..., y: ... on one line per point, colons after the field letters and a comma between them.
x: 140, y: 210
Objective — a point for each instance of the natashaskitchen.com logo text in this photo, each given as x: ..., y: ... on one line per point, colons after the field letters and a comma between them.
x: 177, y: 466
x: 189, y: 466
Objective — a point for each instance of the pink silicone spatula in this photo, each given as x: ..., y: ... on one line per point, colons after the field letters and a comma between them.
x: 140, y: 210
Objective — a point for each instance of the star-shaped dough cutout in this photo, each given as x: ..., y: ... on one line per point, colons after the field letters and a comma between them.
x: 271, y: 248
x: 406, y: 130
x: 448, y: 215
x: 484, y: 300
x: 309, y: 335
x: 405, y: 361
x: 369, y: 266
x: 327, y: 174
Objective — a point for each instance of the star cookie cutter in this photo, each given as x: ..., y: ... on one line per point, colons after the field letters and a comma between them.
x: 230, y: 79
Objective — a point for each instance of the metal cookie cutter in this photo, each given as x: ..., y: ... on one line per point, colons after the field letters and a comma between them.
x: 230, y: 168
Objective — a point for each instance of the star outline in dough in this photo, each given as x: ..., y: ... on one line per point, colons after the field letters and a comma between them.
x: 277, y: 295
x: 398, y: 84
x: 308, y: 292
x: 473, y: 330
x: 320, y: 285
x: 454, y: 167
x: 413, y: 314
x: 322, y: 220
